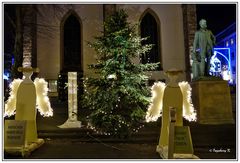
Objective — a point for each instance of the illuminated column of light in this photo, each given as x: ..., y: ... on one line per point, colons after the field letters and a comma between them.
x: 72, y: 96
x: 27, y: 49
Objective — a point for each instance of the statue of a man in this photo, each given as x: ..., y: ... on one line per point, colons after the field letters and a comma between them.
x: 204, y: 41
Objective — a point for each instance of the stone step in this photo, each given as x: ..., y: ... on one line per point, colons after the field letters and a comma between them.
x: 202, y: 135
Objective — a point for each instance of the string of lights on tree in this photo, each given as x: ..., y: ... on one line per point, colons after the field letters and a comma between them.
x: 118, y: 95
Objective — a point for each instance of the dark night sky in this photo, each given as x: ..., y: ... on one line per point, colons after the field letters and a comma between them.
x: 218, y: 16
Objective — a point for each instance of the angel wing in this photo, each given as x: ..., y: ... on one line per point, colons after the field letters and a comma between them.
x: 43, y: 104
x: 188, y: 110
x: 155, y: 107
x: 10, y: 106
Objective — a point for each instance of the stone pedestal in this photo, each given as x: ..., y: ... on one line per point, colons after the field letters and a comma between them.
x: 212, y: 101
x: 25, y: 150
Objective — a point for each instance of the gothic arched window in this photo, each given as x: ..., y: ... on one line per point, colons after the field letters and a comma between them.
x: 71, y: 44
x: 150, y: 28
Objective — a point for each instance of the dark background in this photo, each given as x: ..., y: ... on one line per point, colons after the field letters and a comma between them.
x: 218, y: 16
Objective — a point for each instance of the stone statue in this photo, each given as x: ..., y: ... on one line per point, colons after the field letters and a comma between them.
x: 204, y: 41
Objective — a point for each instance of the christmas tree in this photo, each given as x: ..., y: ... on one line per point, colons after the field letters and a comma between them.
x: 118, y: 96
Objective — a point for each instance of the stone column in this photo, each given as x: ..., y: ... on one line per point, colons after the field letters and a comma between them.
x: 190, y: 27
x: 29, y: 33
x: 108, y: 9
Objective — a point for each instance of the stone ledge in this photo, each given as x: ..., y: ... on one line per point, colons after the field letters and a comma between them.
x: 24, y: 151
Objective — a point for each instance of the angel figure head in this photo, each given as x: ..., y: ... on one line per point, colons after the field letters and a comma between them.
x: 173, y: 74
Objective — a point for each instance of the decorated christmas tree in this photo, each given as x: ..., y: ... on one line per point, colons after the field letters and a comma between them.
x: 118, y: 96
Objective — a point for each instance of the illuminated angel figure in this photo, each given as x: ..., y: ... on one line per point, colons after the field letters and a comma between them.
x: 177, y: 95
x: 25, y: 95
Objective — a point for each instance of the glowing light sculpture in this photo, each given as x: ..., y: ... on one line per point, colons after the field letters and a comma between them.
x: 215, y: 66
x: 10, y: 106
x: 43, y: 104
x: 155, y: 107
x: 176, y: 95
x: 40, y: 88
x: 24, y: 96
x: 222, y: 66
x: 72, y: 121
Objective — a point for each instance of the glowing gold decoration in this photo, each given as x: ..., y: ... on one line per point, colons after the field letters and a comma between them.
x: 188, y: 110
x: 155, y: 108
x: 72, y: 121
x: 25, y: 95
x: 10, y: 106
x: 173, y: 95
x: 43, y: 104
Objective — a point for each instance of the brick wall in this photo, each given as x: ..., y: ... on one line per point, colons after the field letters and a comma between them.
x: 190, y: 27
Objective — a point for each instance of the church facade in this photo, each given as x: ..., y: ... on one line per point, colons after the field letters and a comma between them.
x: 63, y: 33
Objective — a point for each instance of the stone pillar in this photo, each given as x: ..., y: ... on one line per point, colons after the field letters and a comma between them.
x: 34, y: 35
x: 212, y: 101
x: 108, y: 9
x: 29, y: 33
x: 190, y: 27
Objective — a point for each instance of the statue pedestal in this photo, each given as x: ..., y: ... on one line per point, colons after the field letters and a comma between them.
x: 71, y: 124
x: 212, y: 101
x: 26, y: 150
